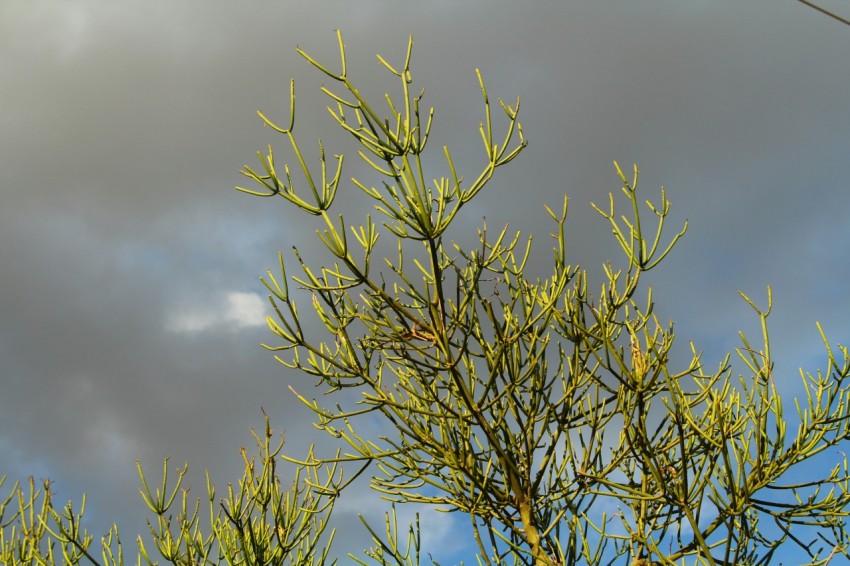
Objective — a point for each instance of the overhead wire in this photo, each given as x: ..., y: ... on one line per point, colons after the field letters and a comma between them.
x: 825, y: 11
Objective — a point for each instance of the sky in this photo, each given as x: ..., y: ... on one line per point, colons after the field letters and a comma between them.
x: 131, y: 312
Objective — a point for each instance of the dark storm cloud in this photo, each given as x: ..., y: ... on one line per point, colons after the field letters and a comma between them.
x: 128, y: 262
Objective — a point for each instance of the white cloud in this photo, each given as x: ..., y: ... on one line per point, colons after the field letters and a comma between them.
x: 236, y: 310
x: 245, y: 309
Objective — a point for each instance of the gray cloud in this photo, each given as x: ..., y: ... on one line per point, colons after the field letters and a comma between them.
x: 124, y: 128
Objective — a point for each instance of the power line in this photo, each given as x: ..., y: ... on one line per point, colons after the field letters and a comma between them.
x: 825, y: 11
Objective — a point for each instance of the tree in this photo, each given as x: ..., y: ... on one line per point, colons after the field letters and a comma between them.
x: 532, y: 405
x: 257, y: 522
x: 526, y: 403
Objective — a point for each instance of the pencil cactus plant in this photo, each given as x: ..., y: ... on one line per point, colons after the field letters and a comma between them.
x: 533, y: 404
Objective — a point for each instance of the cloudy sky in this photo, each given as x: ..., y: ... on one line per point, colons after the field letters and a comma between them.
x: 131, y: 312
